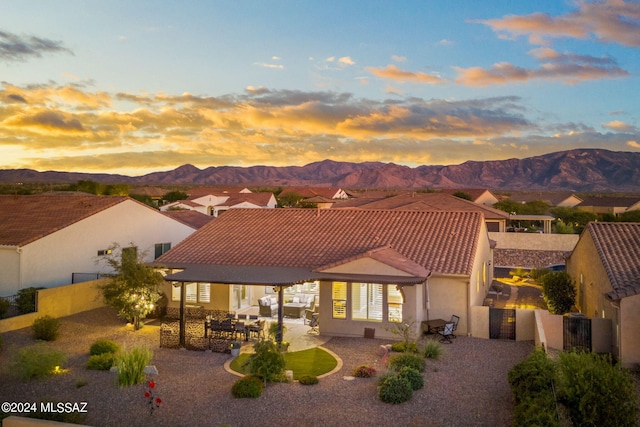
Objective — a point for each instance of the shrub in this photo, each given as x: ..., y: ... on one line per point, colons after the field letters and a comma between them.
x: 101, y: 362
x: 248, y: 386
x: 532, y: 377
x: 103, y: 346
x: 559, y: 291
x: 538, y: 411
x: 433, y: 350
x: 415, y: 378
x: 398, y: 361
x: 4, y: 307
x: 394, y: 389
x: 364, y: 371
x: 26, y: 300
x: 538, y: 273
x: 518, y: 272
x: 131, y: 366
x: 36, y: 361
x: 308, y: 380
x: 46, y: 328
x: 402, y: 347
x: 267, y: 362
x: 595, y: 391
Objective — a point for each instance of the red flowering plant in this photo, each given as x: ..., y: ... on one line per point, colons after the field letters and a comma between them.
x: 364, y: 371
x: 153, y: 400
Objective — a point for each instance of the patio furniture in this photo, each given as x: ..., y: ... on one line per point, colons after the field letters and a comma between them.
x: 268, y: 306
x: 293, y: 309
x: 432, y: 326
x: 228, y: 330
x: 311, y: 319
x: 256, y: 328
x: 241, y: 329
x: 454, y: 319
x: 446, y: 333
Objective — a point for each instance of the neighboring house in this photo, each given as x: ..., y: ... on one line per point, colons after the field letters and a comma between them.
x: 605, y: 265
x: 308, y: 192
x: 478, y: 195
x: 495, y: 219
x: 215, y: 204
x: 369, y: 268
x: 193, y: 219
x: 46, y: 239
x: 610, y: 205
x: 554, y: 199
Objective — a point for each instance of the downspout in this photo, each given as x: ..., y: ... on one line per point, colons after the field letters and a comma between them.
x: 469, y: 308
x: 19, y: 252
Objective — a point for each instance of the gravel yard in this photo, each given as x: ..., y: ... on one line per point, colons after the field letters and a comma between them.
x: 467, y: 388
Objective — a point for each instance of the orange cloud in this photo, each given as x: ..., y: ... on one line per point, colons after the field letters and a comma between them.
x: 610, y: 21
x: 394, y: 73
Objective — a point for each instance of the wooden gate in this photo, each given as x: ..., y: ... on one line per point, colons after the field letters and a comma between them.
x: 576, y: 334
x: 502, y: 323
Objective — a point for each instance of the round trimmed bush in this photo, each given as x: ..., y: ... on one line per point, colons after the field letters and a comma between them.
x: 46, y: 328
x: 249, y: 386
x: 308, y: 380
x: 401, y: 347
x: 398, y: 361
x: 395, y: 389
x: 101, y: 362
x: 103, y: 346
x: 414, y: 377
x: 364, y: 371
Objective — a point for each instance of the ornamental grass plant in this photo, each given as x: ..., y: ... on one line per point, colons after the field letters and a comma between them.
x: 37, y: 362
x: 131, y: 364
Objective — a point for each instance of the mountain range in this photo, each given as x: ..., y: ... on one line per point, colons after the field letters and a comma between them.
x: 584, y: 170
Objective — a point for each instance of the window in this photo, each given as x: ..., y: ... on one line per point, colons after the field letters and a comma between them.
x: 195, y: 292
x: 339, y: 300
x: 394, y: 303
x: 104, y: 252
x: 161, y: 248
x: 366, y: 301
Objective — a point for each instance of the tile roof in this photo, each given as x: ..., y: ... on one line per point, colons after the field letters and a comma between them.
x: 258, y: 199
x: 550, y: 198
x: 620, y: 202
x: 193, y: 219
x: 440, y: 241
x: 328, y: 192
x: 427, y: 201
x: 618, y: 245
x: 26, y: 219
x: 196, y: 192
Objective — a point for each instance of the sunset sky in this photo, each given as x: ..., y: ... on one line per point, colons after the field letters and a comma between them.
x: 139, y: 86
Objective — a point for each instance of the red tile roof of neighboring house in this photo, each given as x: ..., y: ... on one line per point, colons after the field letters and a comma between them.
x: 258, y: 199
x: 196, y: 192
x: 26, y: 219
x: 193, y: 219
x: 426, y: 201
x: 606, y: 201
x: 311, y: 191
x: 440, y: 241
x: 618, y: 244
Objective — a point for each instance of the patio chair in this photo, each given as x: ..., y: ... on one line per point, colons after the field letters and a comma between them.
x: 216, y: 328
x: 446, y: 333
x: 227, y: 328
x: 241, y: 329
x: 454, y: 319
x: 242, y: 316
x: 311, y: 319
x: 256, y: 328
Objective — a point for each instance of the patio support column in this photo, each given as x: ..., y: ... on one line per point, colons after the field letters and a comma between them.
x: 280, y: 314
x: 183, y: 296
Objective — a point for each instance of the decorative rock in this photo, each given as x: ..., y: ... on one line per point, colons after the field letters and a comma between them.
x: 151, y: 370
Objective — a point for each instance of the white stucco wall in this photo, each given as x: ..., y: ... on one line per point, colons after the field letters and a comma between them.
x: 51, y: 260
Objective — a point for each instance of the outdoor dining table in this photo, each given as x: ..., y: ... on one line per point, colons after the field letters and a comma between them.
x: 431, y: 326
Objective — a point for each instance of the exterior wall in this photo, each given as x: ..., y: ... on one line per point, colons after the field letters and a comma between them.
x: 552, y: 326
x: 51, y: 260
x: 480, y: 322
x: 486, y: 198
x: 629, y: 335
x: 59, y: 302
x: 535, y: 241
x: 10, y: 277
x: 592, y: 282
x: 525, y: 324
x: 221, y: 297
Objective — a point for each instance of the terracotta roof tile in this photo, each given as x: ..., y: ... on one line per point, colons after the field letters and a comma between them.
x: 25, y: 219
x: 193, y: 219
x: 618, y: 244
x: 440, y: 241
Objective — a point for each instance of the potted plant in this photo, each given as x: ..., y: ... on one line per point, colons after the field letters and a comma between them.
x: 235, y: 348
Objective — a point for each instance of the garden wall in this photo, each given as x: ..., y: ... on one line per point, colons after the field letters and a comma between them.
x: 60, y: 301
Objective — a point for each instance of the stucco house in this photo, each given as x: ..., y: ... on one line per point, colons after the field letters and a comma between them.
x: 368, y: 268
x: 605, y: 265
x: 308, y: 192
x: 47, y: 239
x: 610, y: 205
x: 215, y: 204
x: 552, y: 198
x: 478, y: 195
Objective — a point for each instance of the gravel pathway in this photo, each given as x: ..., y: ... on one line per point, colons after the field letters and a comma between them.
x: 467, y: 388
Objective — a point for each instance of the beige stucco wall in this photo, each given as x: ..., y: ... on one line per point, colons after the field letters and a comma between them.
x: 535, y: 241
x: 221, y: 297
x: 51, y: 260
x: 630, y: 331
x: 59, y: 302
x: 10, y: 264
x: 552, y: 327
x: 592, y: 283
x: 525, y: 324
x: 480, y: 322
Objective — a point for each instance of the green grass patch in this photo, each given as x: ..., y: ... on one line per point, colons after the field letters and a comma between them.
x: 312, y: 362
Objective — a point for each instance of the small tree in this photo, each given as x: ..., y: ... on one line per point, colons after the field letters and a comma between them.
x: 134, y: 288
x: 559, y: 291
